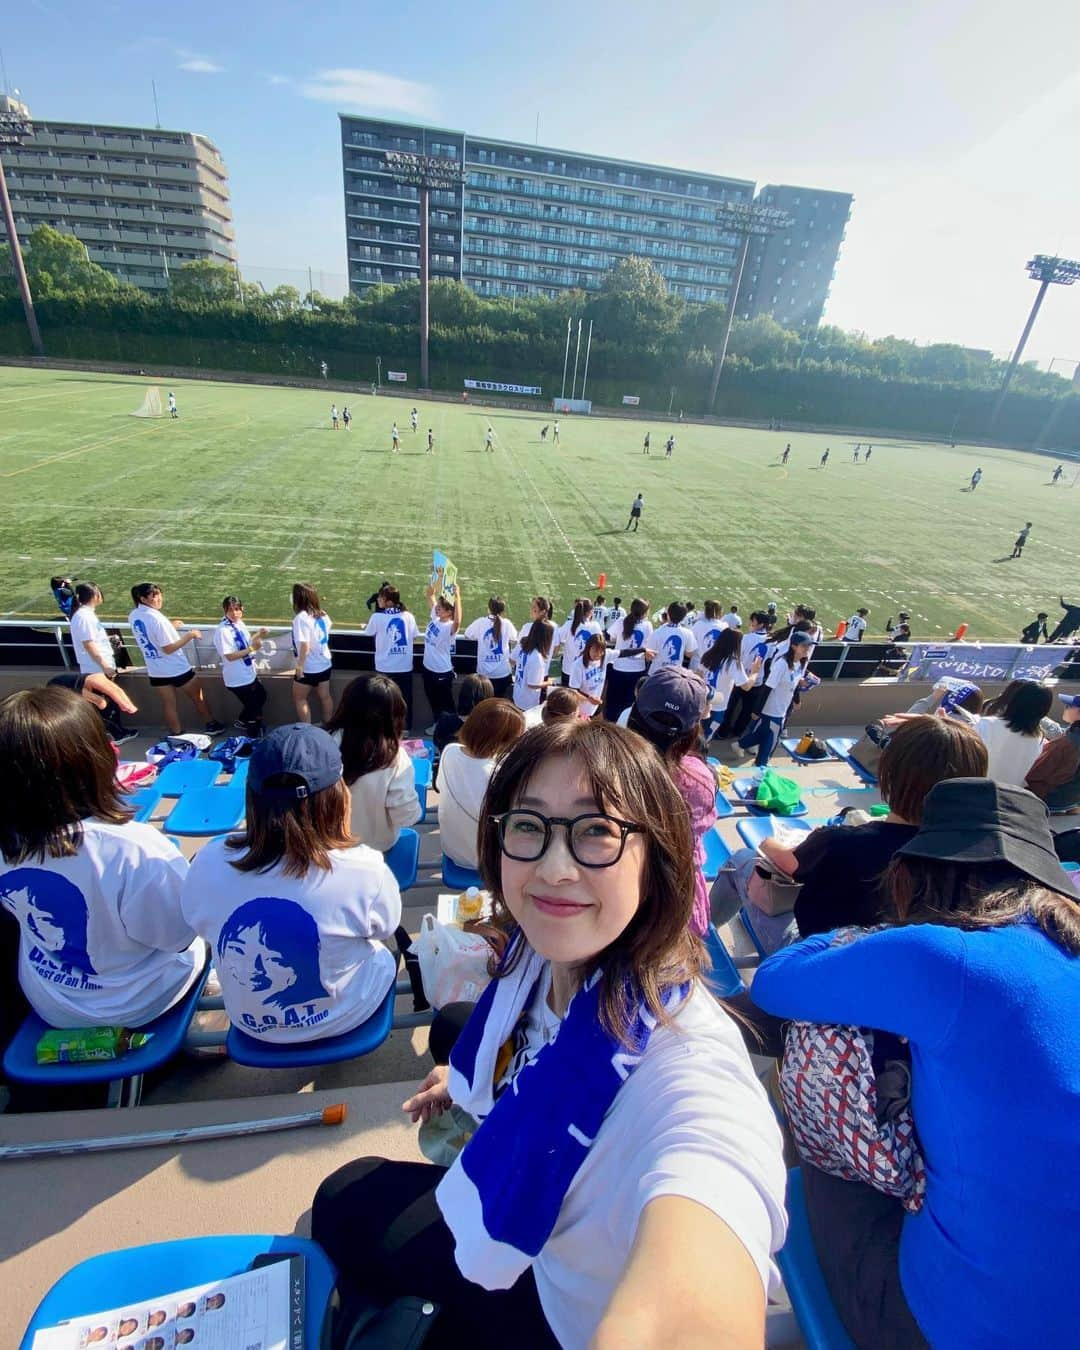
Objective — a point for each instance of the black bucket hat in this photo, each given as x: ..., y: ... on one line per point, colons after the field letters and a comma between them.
x: 975, y: 820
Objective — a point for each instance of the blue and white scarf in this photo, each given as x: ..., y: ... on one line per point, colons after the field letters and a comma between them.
x: 501, y: 1198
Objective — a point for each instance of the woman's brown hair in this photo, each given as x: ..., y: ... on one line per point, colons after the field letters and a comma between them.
x: 560, y: 702
x: 923, y: 751
x: 299, y: 833
x: 371, y: 717
x: 59, y: 769
x: 491, y: 728
x: 539, y: 638
x: 656, y: 951
x: 305, y: 598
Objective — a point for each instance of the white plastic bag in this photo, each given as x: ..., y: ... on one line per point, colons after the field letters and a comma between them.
x: 453, y: 963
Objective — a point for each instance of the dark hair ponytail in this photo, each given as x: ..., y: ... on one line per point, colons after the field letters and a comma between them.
x: 85, y: 591
x: 582, y: 610
x: 638, y: 610
x: 497, y: 608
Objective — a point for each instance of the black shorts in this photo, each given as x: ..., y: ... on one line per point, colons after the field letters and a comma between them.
x: 321, y: 678
x: 177, y: 681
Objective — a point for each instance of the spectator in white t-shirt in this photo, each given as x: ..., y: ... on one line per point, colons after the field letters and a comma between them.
x: 368, y: 724
x: 295, y: 910
x: 673, y: 642
x: 787, y: 674
x: 1010, y: 729
x: 741, y: 703
x: 594, y: 669
x: 438, y: 669
x: 102, y: 939
x: 237, y: 647
x: 706, y: 630
x: 167, y: 662
x: 93, y: 649
x: 466, y: 765
x: 724, y: 672
x: 856, y: 626
x: 731, y: 618
x: 629, y: 637
x: 494, y: 635
x: 532, y: 660
x: 394, y: 630
x: 572, y: 637
x: 311, y: 647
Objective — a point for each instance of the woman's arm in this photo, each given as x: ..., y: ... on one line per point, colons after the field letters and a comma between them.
x: 302, y: 649
x: 784, y: 858
x: 105, y: 662
x: 457, y: 610
x: 192, y: 635
x: 689, y: 1283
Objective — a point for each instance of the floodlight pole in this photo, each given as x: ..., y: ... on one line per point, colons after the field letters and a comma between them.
x: 425, y: 281
x: 1047, y: 272
x: 729, y: 323
x: 12, y: 131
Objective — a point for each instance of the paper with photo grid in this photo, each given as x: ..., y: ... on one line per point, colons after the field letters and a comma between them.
x: 258, y: 1310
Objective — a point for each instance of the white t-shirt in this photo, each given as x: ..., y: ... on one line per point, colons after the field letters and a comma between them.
x: 315, y: 631
x: 153, y: 631
x: 638, y: 639
x: 705, y: 632
x: 492, y: 658
x: 573, y: 645
x: 439, y: 645
x: 614, y: 613
x: 691, y: 1120
x: 102, y: 939
x: 753, y: 644
x: 1010, y: 753
x: 299, y: 958
x: 530, y: 668
x: 384, y: 802
x: 731, y: 619
x: 856, y: 627
x: 463, y: 781
x: 87, y: 627
x: 671, y: 642
x: 394, y: 631
x: 782, y: 681
x: 722, y: 681
x: 592, y: 682
x: 234, y: 637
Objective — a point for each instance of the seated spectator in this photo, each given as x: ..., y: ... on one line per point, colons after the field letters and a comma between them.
x: 107, y: 697
x: 560, y: 703
x: 295, y: 909
x: 1010, y: 729
x: 667, y: 711
x: 980, y: 974
x: 1055, y: 775
x: 472, y: 690
x: 843, y: 869
x: 489, y: 731
x: 103, y: 941
x: 950, y: 694
x: 643, y: 1205
x: 367, y: 725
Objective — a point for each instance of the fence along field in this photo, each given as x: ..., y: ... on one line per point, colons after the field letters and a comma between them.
x: 250, y: 490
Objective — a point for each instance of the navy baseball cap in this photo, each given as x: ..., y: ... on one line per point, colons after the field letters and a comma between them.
x: 672, y: 699
x: 1070, y: 700
x: 304, y: 751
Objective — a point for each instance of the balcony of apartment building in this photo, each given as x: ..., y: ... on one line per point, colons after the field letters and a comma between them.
x: 380, y: 234
x: 364, y: 209
x: 520, y: 209
x: 385, y: 257
x: 606, y: 247
x: 547, y: 190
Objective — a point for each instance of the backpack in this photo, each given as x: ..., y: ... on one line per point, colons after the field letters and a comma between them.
x: 228, y: 751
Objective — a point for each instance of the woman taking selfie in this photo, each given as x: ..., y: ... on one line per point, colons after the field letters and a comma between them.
x: 647, y: 1191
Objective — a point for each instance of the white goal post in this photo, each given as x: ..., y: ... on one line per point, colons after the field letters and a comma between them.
x: 151, y: 404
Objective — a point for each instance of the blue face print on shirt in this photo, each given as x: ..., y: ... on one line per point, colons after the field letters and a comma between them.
x: 270, y: 947
x: 495, y: 646
x: 142, y: 637
x: 710, y: 638
x: 322, y: 631
x: 673, y: 648
x: 53, y: 917
x: 395, y: 631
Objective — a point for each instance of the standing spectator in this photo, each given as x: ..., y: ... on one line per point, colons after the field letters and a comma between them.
x: 668, y: 712
x: 856, y: 625
x: 1069, y: 623
x: 93, y: 650
x: 438, y: 670
x: 706, y: 630
x: 63, y: 589
x: 723, y: 671
x: 311, y: 647
x: 594, y: 666
x: 368, y: 724
x: 394, y: 630
x: 672, y: 643
x: 630, y: 636
x: 167, y: 663
x: 741, y: 704
x: 236, y: 648
x: 786, y: 675
x: 572, y: 637
x: 494, y: 635
x: 1036, y: 629
x: 464, y: 770
x: 731, y: 618
x: 531, y: 661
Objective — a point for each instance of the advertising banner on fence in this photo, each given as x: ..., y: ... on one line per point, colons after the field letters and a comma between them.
x: 981, y: 661
x: 494, y: 387
x: 400, y: 376
x: 631, y: 399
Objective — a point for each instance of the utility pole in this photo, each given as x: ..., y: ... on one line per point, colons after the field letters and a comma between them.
x: 15, y: 127
x: 1047, y: 272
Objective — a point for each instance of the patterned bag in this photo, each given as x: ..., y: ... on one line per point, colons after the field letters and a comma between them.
x: 846, y: 1120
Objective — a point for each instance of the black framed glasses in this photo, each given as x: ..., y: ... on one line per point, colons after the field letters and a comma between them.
x: 594, y: 839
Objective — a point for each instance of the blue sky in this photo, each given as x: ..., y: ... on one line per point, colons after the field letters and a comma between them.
x: 955, y: 124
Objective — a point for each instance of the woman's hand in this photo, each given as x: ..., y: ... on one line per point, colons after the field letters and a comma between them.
x: 432, y: 1098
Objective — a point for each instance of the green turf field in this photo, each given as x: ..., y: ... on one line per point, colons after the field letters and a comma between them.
x: 250, y: 490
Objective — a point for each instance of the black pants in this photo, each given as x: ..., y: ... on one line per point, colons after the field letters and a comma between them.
x: 379, y: 1223
x: 404, y: 681
x: 856, y: 1232
x: 619, y: 693
x: 503, y: 686
x: 740, y: 709
x: 440, y: 692
x: 252, y: 699
x: 1066, y: 627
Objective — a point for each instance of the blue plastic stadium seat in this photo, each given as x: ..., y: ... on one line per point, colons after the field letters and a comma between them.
x: 422, y: 772
x: 756, y: 828
x: 803, y: 1280
x: 168, y: 1032
x: 184, y: 774
x: 404, y: 859
x: 362, y: 1040
x: 459, y: 878
x: 841, y: 746
x: 746, y: 791
x: 208, y: 810
x: 790, y: 742
x: 143, y: 801
x: 722, y: 977
x: 716, y: 854
x: 139, y: 1274
x: 723, y: 807
x: 748, y: 929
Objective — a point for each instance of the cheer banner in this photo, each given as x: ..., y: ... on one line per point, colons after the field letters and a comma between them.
x: 441, y: 566
x: 981, y: 661
x: 494, y: 387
